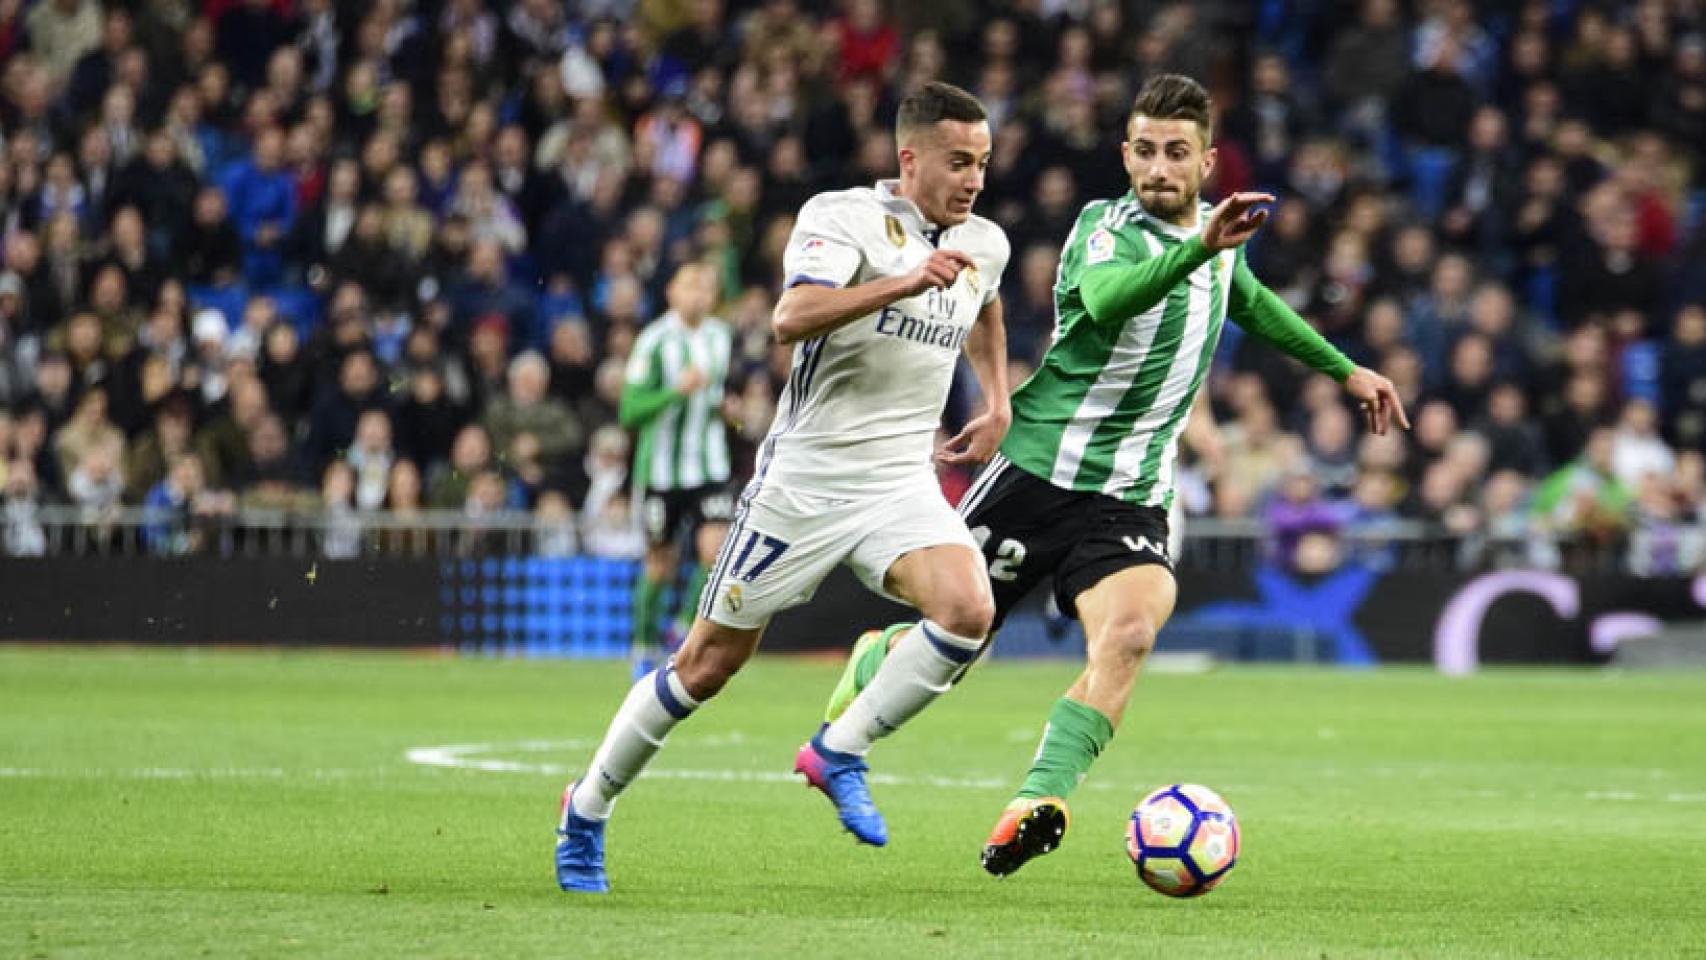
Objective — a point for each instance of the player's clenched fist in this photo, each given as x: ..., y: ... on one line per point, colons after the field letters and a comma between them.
x: 937, y: 272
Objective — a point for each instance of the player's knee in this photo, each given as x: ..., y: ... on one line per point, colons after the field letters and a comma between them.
x: 967, y: 615
x: 1129, y: 638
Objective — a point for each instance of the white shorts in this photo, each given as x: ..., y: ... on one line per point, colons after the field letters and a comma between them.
x: 782, y: 544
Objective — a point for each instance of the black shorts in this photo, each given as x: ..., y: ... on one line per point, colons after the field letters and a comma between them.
x: 1030, y: 529
x: 671, y: 516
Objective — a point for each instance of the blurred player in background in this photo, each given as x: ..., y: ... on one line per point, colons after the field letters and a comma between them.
x: 1202, y: 436
x: 1082, y: 485
x: 885, y: 285
x: 673, y: 400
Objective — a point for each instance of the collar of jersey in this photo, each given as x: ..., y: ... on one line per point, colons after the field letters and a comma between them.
x: 914, y: 217
x: 673, y: 319
x: 1171, y: 230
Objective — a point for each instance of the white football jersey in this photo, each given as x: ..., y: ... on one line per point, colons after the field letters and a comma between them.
x: 860, y: 410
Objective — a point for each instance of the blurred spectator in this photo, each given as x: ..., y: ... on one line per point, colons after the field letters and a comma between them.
x: 61, y: 31
x: 1637, y: 452
x: 178, y: 508
x: 447, y: 485
x: 270, y: 477
x: 97, y: 482
x: 1667, y: 539
x: 210, y: 251
x: 87, y: 430
x: 262, y: 204
x: 487, y: 292
x: 371, y: 458
x: 223, y: 442
x: 1029, y: 309
x: 612, y: 533
x: 483, y: 511
x: 332, y: 423
x: 490, y: 215
x: 23, y: 535
x: 1332, y: 452
x: 1584, y: 498
x: 427, y: 420
x: 554, y: 522
x: 1513, y: 439
x: 528, y: 410
x: 1297, y: 511
x: 1365, y: 65
x: 164, y: 442
x: 340, y: 527
x: 1682, y: 379
x: 1257, y: 453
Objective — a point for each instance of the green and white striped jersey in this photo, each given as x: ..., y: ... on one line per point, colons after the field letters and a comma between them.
x: 1105, y: 408
x: 680, y: 444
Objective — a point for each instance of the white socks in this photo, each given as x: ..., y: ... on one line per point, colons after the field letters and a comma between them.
x: 920, y: 668
x: 654, y: 706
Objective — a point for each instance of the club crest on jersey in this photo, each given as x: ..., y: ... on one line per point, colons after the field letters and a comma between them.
x: 734, y: 599
x: 897, y: 233
x: 1100, y: 247
x: 971, y: 277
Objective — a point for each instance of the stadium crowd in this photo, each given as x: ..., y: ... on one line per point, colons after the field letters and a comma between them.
x: 335, y: 256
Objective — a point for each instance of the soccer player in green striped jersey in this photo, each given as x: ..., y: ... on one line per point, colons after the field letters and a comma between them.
x: 673, y: 400
x: 1080, y: 489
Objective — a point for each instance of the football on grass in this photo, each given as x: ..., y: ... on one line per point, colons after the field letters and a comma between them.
x: 1183, y: 839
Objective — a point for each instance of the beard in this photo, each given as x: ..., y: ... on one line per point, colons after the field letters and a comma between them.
x: 1166, y: 205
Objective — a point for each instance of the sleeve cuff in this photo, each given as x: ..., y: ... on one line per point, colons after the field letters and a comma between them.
x: 800, y: 278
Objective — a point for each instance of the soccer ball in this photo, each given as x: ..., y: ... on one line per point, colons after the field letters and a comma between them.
x: 1183, y: 840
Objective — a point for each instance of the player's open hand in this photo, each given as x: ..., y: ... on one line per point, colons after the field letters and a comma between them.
x: 1377, y: 398
x: 937, y: 272
x: 979, y: 440
x: 1235, y: 220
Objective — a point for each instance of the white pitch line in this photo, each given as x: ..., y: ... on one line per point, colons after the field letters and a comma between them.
x: 182, y: 773
x: 467, y: 756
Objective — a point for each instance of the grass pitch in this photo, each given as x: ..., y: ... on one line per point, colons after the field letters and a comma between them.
x: 184, y: 803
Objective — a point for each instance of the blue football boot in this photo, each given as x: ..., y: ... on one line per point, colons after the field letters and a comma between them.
x: 580, y: 851
x: 841, y: 777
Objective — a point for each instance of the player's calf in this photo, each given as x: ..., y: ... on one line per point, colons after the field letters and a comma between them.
x: 711, y: 655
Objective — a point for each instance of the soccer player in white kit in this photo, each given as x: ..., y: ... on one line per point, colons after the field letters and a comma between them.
x: 885, y: 285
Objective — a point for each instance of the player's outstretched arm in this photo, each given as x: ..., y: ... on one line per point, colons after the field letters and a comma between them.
x: 1261, y: 312
x: 810, y: 310
x: 1115, y: 288
x: 986, y: 349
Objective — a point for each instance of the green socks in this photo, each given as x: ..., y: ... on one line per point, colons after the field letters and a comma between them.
x: 688, y: 608
x: 647, y: 594
x: 866, y: 665
x: 862, y: 666
x: 1073, y: 738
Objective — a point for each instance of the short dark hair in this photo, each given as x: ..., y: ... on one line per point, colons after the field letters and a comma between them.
x: 1172, y: 96
x: 932, y: 103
